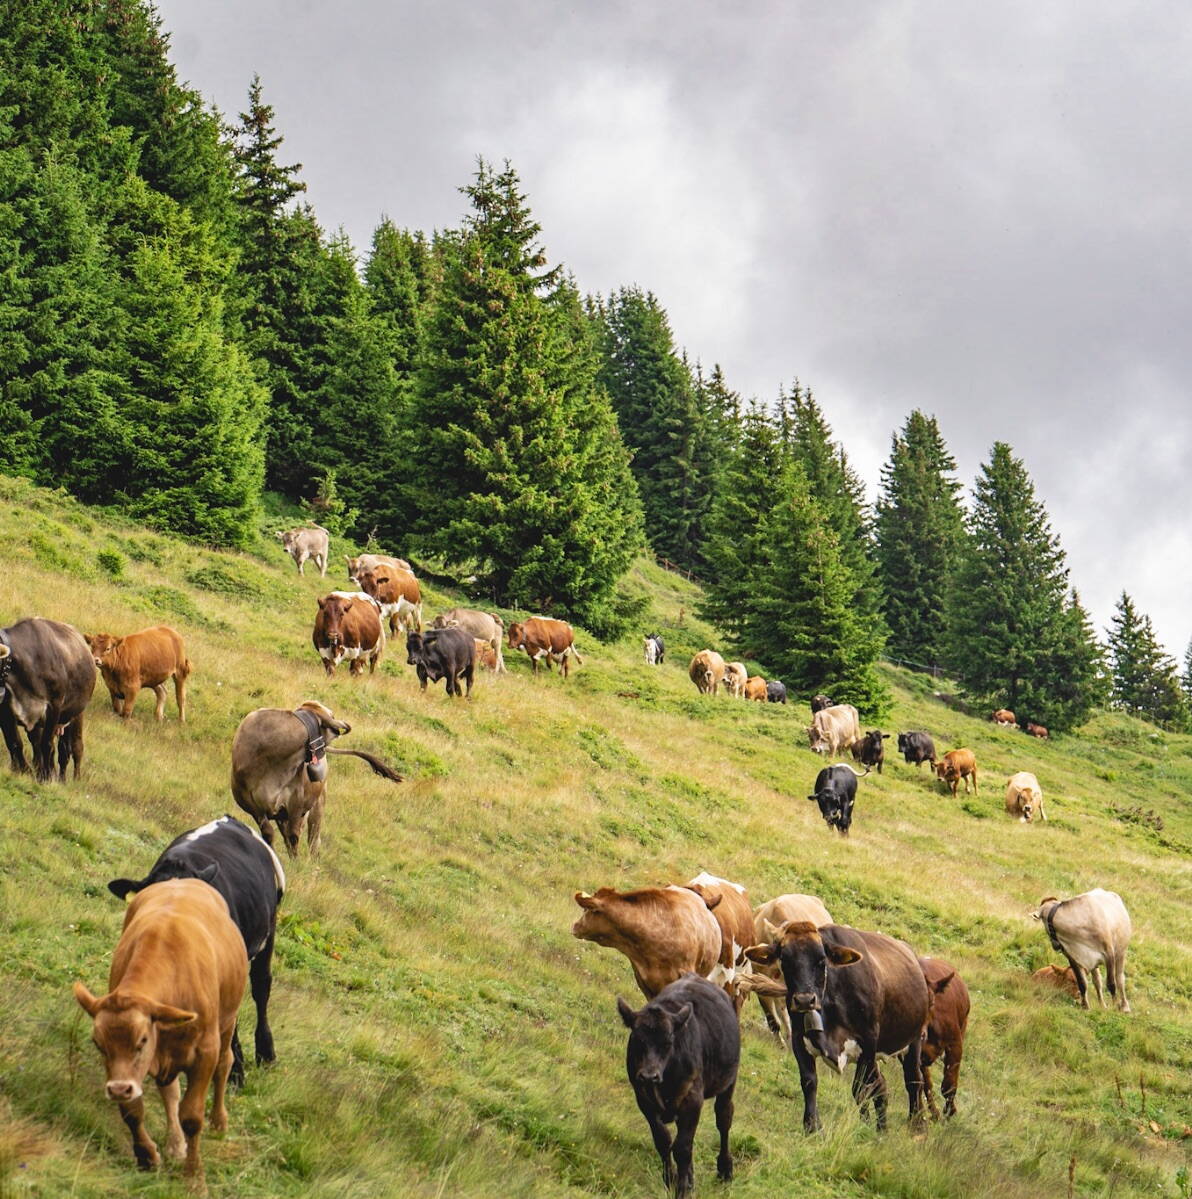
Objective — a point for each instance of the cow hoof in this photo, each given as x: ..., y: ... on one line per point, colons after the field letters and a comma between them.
x: 176, y: 1149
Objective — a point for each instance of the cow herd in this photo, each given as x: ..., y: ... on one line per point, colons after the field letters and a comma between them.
x: 200, y: 926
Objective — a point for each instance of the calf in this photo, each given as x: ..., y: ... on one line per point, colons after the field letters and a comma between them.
x: 834, y: 729
x: 1024, y: 796
x: 835, y: 792
x: 247, y: 873
x: 775, y: 692
x: 955, y: 765
x: 1062, y: 980
x: 1091, y: 930
x: 684, y: 1047
x: 767, y: 920
x: 869, y: 750
x: 309, y: 544
x: 735, y: 678
x: 485, y: 657
x: 174, y: 989
x: 859, y: 994
x: 946, y: 1027
x: 917, y: 748
x: 448, y: 654
x: 655, y: 649
x: 1036, y: 730
x: 145, y: 659
x: 706, y: 671
x: 755, y: 688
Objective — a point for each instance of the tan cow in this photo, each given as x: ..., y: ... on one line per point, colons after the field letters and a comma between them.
x: 545, y: 640
x: 1004, y: 716
x: 1024, y: 796
x: 755, y: 688
x: 398, y: 594
x: 663, y: 931
x: 174, y: 991
x: 348, y: 625
x: 145, y: 659
x: 1091, y: 930
x: 729, y: 904
x: 955, y: 765
x: 309, y: 544
x: 734, y: 679
x: 356, y: 566
x: 833, y: 730
x: 484, y: 626
x: 706, y: 671
x: 768, y: 919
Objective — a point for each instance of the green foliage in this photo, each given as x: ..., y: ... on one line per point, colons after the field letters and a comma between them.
x: 1145, y: 680
x: 112, y: 563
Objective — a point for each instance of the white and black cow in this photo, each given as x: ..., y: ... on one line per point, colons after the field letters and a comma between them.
x: 247, y: 873
x: 835, y: 792
x: 655, y: 649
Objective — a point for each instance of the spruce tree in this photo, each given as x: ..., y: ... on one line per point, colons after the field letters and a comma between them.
x: 1145, y: 680
x: 918, y: 533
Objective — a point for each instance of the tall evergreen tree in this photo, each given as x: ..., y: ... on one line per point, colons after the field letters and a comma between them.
x: 918, y: 534
x: 1145, y: 680
x: 396, y: 278
x: 1008, y: 615
x: 1186, y: 677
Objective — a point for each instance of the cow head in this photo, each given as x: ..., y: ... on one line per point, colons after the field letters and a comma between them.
x: 415, y: 648
x: 351, y: 567
x: 100, y: 644
x: 332, y: 727
x: 819, y: 703
x: 125, y: 1031
x: 835, y: 805
x: 334, y: 608
x: 1026, y: 804
x: 805, y: 959
x: 817, y: 740
x: 289, y: 539
x: 517, y: 635
x: 651, y: 1039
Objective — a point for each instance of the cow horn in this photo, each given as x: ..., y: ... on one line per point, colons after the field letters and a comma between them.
x: 4, y: 652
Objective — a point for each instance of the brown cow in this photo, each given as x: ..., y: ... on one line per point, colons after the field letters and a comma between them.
x: 1036, y: 730
x: 767, y: 920
x: 1062, y: 979
x: 544, y: 638
x: 348, y: 625
x: 174, y: 991
x: 356, y: 566
x: 734, y: 679
x: 945, y: 1030
x: 729, y: 904
x: 706, y: 671
x: 755, y: 688
x: 955, y: 765
x: 145, y: 659
x: 1004, y: 716
x: 486, y: 656
x: 663, y: 931
x: 398, y: 594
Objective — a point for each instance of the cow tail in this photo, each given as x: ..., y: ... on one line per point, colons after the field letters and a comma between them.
x: 576, y: 653
x: 379, y: 767
x: 183, y: 671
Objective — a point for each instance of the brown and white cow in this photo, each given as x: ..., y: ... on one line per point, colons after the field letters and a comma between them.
x: 356, y: 566
x: 310, y: 544
x: 734, y: 679
x: 1092, y: 931
x: 729, y: 904
x: 833, y: 730
x: 146, y: 659
x: 755, y: 688
x: 946, y: 1027
x: 174, y: 990
x: 955, y: 765
x: 706, y: 671
x: 484, y: 626
x: 397, y: 593
x: 545, y: 640
x: 767, y: 920
x: 348, y: 626
x: 663, y: 931
x: 1004, y: 716
x: 1024, y: 796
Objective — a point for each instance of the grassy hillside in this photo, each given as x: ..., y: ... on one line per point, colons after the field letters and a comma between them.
x: 439, y: 1031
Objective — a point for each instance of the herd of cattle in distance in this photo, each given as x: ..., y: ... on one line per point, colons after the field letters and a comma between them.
x: 200, y: 925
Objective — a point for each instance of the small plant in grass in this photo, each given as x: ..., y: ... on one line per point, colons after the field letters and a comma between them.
x: 112, y: 563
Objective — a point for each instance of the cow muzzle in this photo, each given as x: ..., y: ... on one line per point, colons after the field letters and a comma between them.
x: 803, y: 1003
x: 124, y: 1090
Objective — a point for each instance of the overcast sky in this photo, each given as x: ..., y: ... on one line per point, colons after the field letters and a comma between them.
x: 979, y: 210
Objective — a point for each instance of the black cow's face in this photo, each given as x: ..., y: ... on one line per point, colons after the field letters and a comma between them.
x: 414, y: 647
x: 835, y: 808
x: 651, y: 1039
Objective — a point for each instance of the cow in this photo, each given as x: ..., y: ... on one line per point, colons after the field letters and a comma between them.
x: 247, y: 873
x: 1091, y: 930
x: 484, y: 626
x: 308, y: 544
x: 47, y: 676
x: 348, y: 625
x: 734, y: 679
x: 833, y: 730
x: 684, y: 1047
x: 755, y: 688
x: 835, y: 792
x: 279, y: 769
x: 655, y: 649
x: 1036, y: 730
x: 766, y: 919
x: 145, y: 659
x: 706, y: 671
x: 820, y: 702
x: 775, y: 692
x: 448, y: 654
x: 356, y: 566
x: 545, y: 639
x: 946, y: 1027
x: 860, y: 994
x: 955, y: 765
x: 869, y: 750
x: 1024, y: 796
x: 729, y: 904
x: 1062, y: 979
x: 174, y: 990
x: 663, y: 931
x: 398, y: 595
x: 484, y: 657
x: 917, y: 748
x: 1003, y: 716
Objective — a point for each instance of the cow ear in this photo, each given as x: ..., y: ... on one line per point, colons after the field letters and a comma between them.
x: 165, y: 1016
x: 1035, y: 916
x: 763, y: 955
x: 885, y: 736
x: 123, y: 887
x: 841, y: 955
x: 681, y: 1016
x: 88, y: 1002
x: 322, y: 601
x: 813, y: 798
x: 771, y: 930
x: 941, y: 984
x: 586, y: 901
x: 208, y: 873
x: 628, y: 1015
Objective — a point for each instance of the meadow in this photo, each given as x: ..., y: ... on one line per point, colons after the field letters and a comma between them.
x: 441, y: 1033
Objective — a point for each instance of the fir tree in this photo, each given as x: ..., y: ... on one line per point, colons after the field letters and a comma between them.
x: 919, y: 529
x: 396, y: 278
x: 1145, y: 680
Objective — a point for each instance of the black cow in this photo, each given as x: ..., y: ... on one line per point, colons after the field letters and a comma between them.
x: 835, y: 792
x: 443, y: 654
x: 820, y: 702
x: 917, y: 748
x: 47, y: 675
x: 247, y: 873
x: 869, y: 750
x: 775, y: 692
x: 684, y: 1047
x: 859, y: 994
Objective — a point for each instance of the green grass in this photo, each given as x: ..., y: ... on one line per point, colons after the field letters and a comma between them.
x: 439, y: 1031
